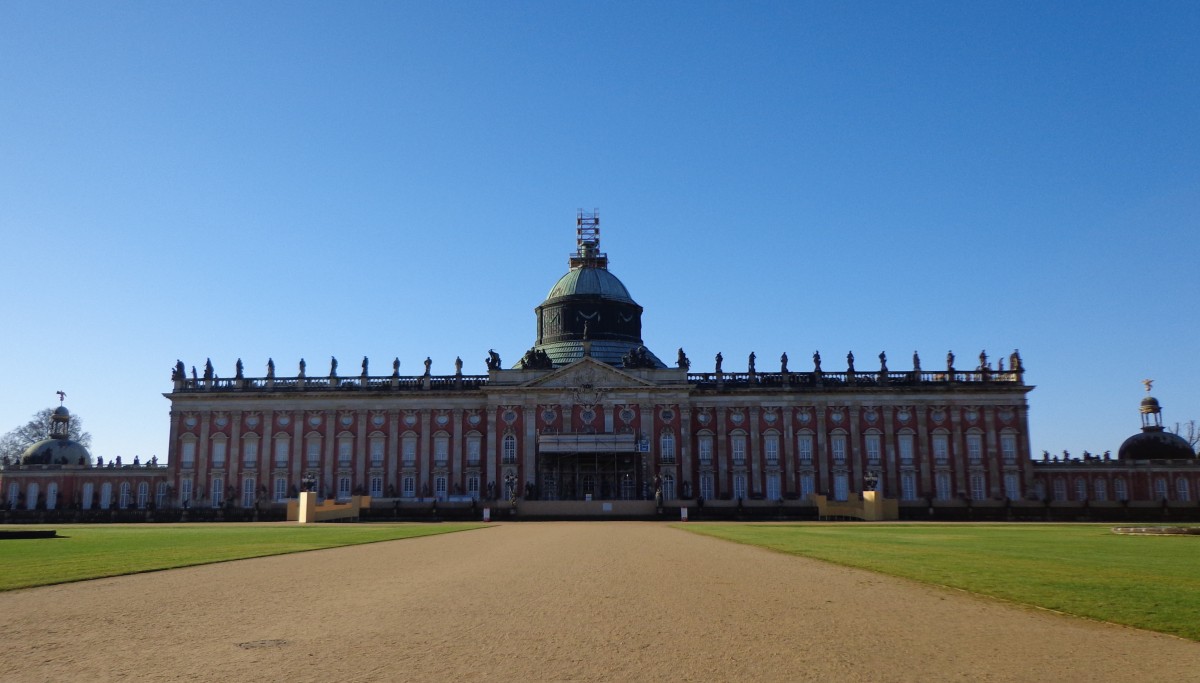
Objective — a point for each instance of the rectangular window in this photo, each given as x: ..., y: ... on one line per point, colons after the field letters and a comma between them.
x: 739, y: 486
x: 280, y: 489
x: 473, y: 451
x: 978, y: 488
x: 376, y: 487
x: 906, y: 449
x: 1101, y: 490
x: 281, y: 453
x: 185, y: 491
x: 771, y: 449
x: 124, y: 499
x: 187, y: 456
x: 1012, y: 486
x: 248, y: 486
x: 908, y: 486
x: 806, y: 448
x: 409, y: 487
x: 1182, y: 493
x: 1008, y: 448
x: 667, y: 443
x: 345, y: 452
x: 510, y: 450
x: 343, y: 490
x: 377, y: 452
x: 89, y: 492
x: 839, y: 450
x: 841, y: 486
x: 807, y: 486
x: 873, y: 457
x: 975, y: 448
x: 217, y: 492
x: 313, y: 457
x: 739, y: 449
x: 439, y: 487
x: 441, y: 451
x: 105, y: 496
x: 14, y: 494
x: 773, y: 486
x: 160, y: 498
x: 941, y: 449
x: 706, y: 485
x: 408, y: 451
x: 1160, y: 489
x: 473, y: 486
x: 1080, y: 490
x: 143, y: 495
x: 706, y: 451
x: 218, y: 455
x: 942, y: 483
x: 250, y: 453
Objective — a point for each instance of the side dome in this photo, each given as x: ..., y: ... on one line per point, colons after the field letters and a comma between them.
x: 57, y: 452
x: 1155, y: 445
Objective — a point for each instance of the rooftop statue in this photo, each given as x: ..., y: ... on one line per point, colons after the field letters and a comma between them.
x: 178, y: 373
x: 683, y: 361
x: 750, y: 363
x: 332, y: 366
x: 364, y: 366
x: 950, y: 360
x: 783, y: 369
x: 916, y: 361
x: 270, y: 369
x: 239, y: 370
x: 850, y: 362
x: 637, y: 358
x: 816, y: 361
x: 493, y: 360
x: 536, y: 359
x: 395, y: 367
x: 208, y: 368
x: 193, y: 372
x: 428, y: 364
x: 719, y: 359
x: 883, y: 361
x: 302, y: 366
x: 458, y: 365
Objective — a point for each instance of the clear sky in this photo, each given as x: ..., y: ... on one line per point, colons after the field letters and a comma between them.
x: 185, y: 180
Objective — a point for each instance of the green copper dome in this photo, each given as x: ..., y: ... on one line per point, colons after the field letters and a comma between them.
x: 587, y: 281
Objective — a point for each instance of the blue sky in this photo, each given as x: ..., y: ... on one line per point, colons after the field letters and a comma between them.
x: 287, y: 180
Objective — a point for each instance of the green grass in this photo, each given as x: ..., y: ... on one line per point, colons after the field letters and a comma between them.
x: 1150, y: 582
x: 91, y: 552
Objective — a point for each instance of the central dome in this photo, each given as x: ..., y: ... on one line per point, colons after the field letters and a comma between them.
x: 590, y: 282
x: 589, y: 311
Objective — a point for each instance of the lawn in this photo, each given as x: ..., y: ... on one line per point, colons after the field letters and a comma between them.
x: 1150, y: 582
x: 90, y: 552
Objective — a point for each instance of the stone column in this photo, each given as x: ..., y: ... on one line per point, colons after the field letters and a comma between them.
x: 235, y: 455
x: 923, y: 458
x: 958, y: 455
x: 424, y: 446
x: 457, y: 468
x: 787, y: 416
x: 889, y: 472
x: 756, y: 483
x: 173, y: 454
x: 855, y: 454
x: 821, y: 454
x: 391, y: 475
x: 992, y: 457
x: 723, y: 483
x: 329, y: 459
x: 685, y: 451
x: 361, y: 454
x: 203, y: 453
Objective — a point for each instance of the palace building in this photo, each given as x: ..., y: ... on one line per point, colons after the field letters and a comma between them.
x: 589, y: 420
x: 590, y: 414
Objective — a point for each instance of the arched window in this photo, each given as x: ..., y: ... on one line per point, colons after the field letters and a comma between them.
x: 51, y: 495
x: 282, y: 448
x: 837, y: 444
x: 217, y: 491
x: 1012, y: 486
x: 376, y: 487
x: 908, y: 486
x: 250, y: 451
x: 804, y: 443
x: 807, y: 485
x: 1101, y: 487
x: 87, y: 495
x: 31, y: 495
x: 904, y: 442
x: 978, y: 487
x: 441, y: 449
x: 1182, y: 492
x: 739, y: 486
x: 408, y: 450
x: 439, y: 487
x: 1160, y: 489
x: 125, y: 498
x: 281, y: 491
x: 343, y: 489
x: 1120, y: 489
x: 106, y: 495
x: 942, y: 484
x: 143, y: 494
x: 668, y: 486
x: 473, y: 486
x: 841, y: 486
x: 185, y: 491
x: 1081, y: 489
x: 975, y: 448
x: 738, y: 442
x: 510, y: 450
x: 704, y: 446
x: 218, y: 452
x: 872, y: 443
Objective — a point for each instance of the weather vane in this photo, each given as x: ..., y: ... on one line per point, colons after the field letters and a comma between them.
x: 62, y: 396
x: 1148, y: 383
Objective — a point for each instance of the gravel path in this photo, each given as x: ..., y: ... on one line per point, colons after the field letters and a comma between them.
x: 554, y: 601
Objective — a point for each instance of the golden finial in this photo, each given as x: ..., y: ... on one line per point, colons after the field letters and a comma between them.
x: 1148, y: 383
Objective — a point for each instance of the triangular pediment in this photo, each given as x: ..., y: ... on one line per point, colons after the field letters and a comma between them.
x: 588, y: 373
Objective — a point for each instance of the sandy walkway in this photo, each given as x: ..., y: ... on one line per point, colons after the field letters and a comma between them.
x: 567, y: 601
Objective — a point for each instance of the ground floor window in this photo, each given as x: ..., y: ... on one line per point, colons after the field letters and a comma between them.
x: 773, y: 486
x: 473, y: 486
x: 1120, y: 489
x: 343, y: 489
x: 908, y: 486
x: 1080, y: 489
x: 668, y: 486
x: 160, y: 498
x: 376, y: 487
x: 217, y: 491
x: 125, y: 498
x: 31, y: 495
x: 1182, y: 492
x: 1101, y: 490
x: 85, y: 499
x: 408, y: 487
x: 280, y: 489
x: 143, y: 495
x: 51, y: 496
x: 439, y: 487
x: 1160, y: 489
x: 185, y: 491
x: 1060, y: 490
x: 105, y: 495
x: 978, y: 487
x: 942, y: 484
x: 706, y: 485
x: 1012, y: 486
x: 739, y: 486
x: 841, y: 486
x: 248, y: 485
x: 14, y: 494
x: 807, y: 485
